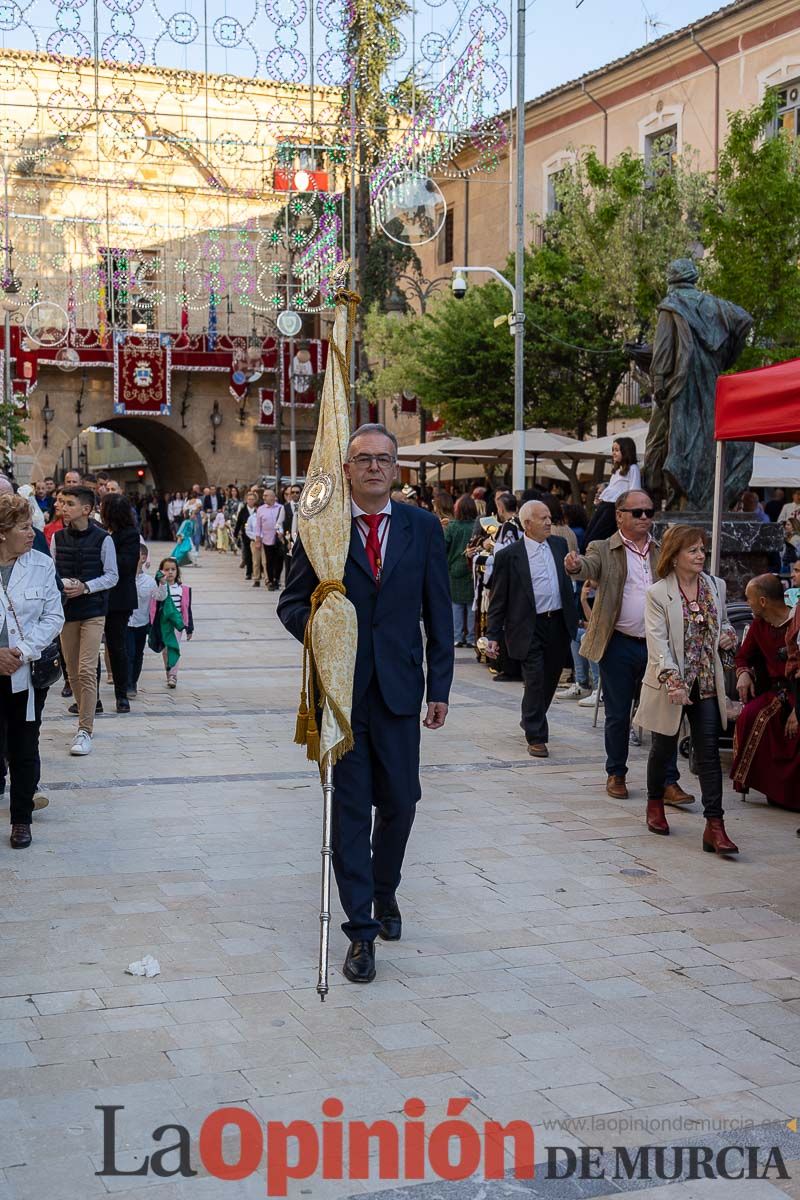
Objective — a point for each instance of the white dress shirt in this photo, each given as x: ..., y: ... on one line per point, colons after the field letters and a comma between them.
x: 363, y: 527
x: 638, y: 580
x: 544, y: 576
x: 619, y: 484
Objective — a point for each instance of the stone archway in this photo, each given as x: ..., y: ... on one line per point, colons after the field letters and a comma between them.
x: 180, y: 447
x: 175, y: 463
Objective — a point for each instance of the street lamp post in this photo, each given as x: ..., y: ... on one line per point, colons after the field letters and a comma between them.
x: 516, y: 323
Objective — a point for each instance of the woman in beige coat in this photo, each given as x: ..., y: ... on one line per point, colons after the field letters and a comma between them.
x: 687, y: 627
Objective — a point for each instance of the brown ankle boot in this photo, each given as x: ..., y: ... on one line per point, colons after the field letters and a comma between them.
x: 716, y: 840
x: 656, y: 821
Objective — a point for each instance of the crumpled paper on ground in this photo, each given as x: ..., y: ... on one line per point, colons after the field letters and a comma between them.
x: 147, y: 966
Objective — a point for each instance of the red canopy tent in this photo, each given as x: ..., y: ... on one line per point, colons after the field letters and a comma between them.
x: 759, y: 406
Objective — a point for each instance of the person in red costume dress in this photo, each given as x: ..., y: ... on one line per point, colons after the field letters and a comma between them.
x: 767, y: 745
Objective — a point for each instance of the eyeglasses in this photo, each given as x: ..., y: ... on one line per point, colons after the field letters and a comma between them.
x: 384, y: 461
x: 638, y: 513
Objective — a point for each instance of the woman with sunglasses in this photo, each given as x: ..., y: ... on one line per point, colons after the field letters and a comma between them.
x: 687, y: 631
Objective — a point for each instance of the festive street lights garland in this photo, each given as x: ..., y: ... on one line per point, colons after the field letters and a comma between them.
x: 80, y: 199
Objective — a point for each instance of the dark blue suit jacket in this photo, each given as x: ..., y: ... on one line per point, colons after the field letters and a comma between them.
x: 414, y: 584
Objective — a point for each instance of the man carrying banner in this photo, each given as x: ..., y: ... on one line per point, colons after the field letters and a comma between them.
x: 395, y: 574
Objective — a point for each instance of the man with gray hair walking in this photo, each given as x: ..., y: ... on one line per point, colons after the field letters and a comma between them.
x: 533, y: 604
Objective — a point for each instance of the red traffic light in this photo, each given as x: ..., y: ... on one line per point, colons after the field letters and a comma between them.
x: 140, y: 472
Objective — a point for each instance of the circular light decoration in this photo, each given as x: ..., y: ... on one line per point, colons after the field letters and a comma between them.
x: 411, y: 209
x: 289, y: 323
x: 46, y: 323
x: 68, y: 359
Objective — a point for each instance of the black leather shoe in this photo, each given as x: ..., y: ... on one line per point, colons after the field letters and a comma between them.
x: 73, y: 708
x: 66, y: 690
x: 359, y: 964
x: 123, y: 706
x: 387, y: 912
x: 21, y: 838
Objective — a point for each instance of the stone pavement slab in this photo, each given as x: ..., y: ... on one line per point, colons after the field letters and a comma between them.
x: 559, y: 965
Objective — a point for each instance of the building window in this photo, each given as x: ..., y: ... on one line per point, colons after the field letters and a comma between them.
x: 661, y: 149
x: 553, y: 181
x: 788, y: 117
x: 444, y: 247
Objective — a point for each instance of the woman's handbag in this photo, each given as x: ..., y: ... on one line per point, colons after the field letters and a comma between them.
x: 46, y: 669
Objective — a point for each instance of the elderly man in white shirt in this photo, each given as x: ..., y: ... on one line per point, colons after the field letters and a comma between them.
x: 533, y: 604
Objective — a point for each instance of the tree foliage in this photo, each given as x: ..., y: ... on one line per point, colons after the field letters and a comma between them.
x: 597, y: 277
x: 619, y: 226
x: 752, y: 232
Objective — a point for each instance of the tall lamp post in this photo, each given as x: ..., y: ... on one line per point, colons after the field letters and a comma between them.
x: 516, y: 323
x: 11, y: 287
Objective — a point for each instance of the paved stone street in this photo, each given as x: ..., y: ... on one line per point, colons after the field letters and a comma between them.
x: 559, y: 964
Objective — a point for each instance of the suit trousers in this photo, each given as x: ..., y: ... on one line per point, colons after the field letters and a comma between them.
x: 381, y: 772
x: 541, y: 671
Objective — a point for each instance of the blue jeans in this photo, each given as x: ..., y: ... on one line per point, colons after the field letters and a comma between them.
x: 584, y: 665
x: 463, y: 618
x: 622, y: 668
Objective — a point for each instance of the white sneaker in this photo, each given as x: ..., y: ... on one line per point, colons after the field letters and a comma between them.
x: 81, y: 743
x: 589, y: 701
x: 40, y: 801
x: 573, y: 692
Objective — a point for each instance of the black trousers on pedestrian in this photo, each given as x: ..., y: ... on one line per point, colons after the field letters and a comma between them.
x: 706, y: 727
x: 274, y: 559
x: 247, y: 555
x: 381, y: 772
x: 603, y: 523
x: 116, y: 643
x: 135, y: 640
x: 22, y: 747
x: 541, y: 671
x: 506, y: 665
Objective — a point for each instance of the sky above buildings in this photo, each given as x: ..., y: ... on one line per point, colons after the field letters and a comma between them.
x: 564, y: 42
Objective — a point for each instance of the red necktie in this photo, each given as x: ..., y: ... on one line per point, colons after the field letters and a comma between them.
x: 373, y: 546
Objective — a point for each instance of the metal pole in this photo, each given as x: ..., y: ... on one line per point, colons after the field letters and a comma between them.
x: 518, y: 473
x: 353, y: 267
x: 292, y: 417
x: 325, y: 898
x: 8, y: 395
x: 719, y: 501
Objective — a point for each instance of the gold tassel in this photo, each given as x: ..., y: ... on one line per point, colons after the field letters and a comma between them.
x: 301, y: 725
x: 312, y: 738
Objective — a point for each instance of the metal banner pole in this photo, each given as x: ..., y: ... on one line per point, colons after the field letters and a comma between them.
x: 518, y: 469
x: 719, y: 500
x: 327, y: 853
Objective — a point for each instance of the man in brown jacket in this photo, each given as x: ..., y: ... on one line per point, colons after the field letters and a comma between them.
x: 624, y: 568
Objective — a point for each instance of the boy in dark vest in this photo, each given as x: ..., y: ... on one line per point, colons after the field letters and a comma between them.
x: 86, y: 560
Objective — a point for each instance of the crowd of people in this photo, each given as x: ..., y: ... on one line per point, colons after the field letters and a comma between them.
x: 539, y: 586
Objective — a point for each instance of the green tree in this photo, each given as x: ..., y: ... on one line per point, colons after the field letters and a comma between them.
x: 752, y: 232
x: 620, y: 225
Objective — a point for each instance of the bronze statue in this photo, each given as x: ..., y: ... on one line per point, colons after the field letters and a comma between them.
x: 698, y: 336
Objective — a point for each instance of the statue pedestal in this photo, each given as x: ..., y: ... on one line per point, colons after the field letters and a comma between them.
x: 748, y: 547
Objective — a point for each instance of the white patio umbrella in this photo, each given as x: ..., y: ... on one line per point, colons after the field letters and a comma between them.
x: 430, y: 451
x: 539, y: 443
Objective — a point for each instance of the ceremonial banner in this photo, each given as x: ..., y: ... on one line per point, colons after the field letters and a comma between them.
x: 266, y: 407
x: 324, y: 524
x: 142, y: 374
